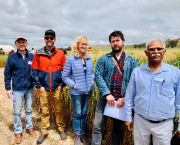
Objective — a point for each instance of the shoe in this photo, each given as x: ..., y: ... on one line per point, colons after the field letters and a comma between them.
x: 77, y: 140
x: 62, y: 135
x: 18, y: 138
x: 84, y: 140
x: 31, y: 132
x: 41, y: 138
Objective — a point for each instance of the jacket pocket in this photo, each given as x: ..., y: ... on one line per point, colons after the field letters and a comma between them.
x: 80, y: 88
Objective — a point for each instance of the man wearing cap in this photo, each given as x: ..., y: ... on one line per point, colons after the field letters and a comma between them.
x: 47, y: 67
x: 18, y: 68
x: 153, y: 91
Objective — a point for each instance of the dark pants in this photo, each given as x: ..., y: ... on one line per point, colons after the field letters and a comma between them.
x: 99, y: 123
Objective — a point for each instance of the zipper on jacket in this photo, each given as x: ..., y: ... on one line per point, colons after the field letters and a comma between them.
x: 24, y: 69
x: 50, y: 73
x: 85, y: 75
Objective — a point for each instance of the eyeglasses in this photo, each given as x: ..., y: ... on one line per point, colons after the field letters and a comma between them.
x: 47, y: 38
x: 158, y: 49
x: 21, y: 42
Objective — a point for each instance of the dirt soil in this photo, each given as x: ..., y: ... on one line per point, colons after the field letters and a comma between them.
x: 7, y: 128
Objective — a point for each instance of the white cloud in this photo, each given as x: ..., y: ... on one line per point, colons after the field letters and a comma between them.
x: 139, y: 20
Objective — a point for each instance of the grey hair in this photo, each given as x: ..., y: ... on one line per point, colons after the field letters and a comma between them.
x: 155, y: 39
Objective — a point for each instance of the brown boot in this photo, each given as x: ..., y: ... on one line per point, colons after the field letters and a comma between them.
x: 31, y: 132
x: 18, y: 138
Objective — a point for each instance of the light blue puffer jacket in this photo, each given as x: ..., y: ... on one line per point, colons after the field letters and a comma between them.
x: 74, y: 67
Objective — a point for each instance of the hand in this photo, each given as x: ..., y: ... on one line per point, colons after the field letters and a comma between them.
x: 178, y: 132
x: 41, y: 89
x: 110, y: 100
x: 120, y: 102
x: 9, y: 93
x: 74, y: 87
x: 129, y: 126
x: 58, y: 88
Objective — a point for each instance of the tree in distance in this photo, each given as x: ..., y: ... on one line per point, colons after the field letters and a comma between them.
x: 171, y: 43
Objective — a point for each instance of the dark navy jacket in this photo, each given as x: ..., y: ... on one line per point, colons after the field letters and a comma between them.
x: 19, y: 70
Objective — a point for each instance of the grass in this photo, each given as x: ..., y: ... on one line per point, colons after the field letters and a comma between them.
x: 3, y: 59
x: 10, y: 125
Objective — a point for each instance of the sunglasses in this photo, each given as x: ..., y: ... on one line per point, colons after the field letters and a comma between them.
x: 158, y: 49
x: 47, y: 38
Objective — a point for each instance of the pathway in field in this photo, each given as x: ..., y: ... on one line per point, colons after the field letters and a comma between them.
x: 6, y: 124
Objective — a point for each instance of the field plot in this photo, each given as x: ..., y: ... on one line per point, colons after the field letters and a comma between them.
x: 172, y: 56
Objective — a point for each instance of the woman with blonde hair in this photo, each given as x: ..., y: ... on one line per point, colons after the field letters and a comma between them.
x: 79, y: 66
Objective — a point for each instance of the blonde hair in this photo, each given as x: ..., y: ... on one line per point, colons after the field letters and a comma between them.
x: 75, y: 49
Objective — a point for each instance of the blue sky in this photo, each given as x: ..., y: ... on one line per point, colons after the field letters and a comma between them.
x: 139, y: 20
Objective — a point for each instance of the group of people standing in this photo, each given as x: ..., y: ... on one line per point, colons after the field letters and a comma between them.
x: 152, y: 90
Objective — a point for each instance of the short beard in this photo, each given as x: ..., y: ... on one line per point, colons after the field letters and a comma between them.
x: 116, y: 51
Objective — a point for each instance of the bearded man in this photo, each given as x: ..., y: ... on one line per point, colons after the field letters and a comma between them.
x: 113, y: 71
x: 47, y: 67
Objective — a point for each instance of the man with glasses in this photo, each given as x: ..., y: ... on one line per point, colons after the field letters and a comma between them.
x: 47, y: 67
x: 153, y: 91
x: 18, y: 67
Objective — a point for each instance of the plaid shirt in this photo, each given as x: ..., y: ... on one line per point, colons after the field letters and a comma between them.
x: 116, y: 79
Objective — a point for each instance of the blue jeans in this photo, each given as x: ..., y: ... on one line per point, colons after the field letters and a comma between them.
x: 99, y: 123
x: 80, y: 105
x: 19, y: 96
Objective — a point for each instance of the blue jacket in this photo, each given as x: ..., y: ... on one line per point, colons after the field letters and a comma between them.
x: 74, y: 67
x: 19, y: 70
x: 104, y: 71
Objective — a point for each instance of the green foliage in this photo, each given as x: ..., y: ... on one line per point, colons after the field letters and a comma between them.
x: 171, y: 43
x: 142, y: 45
x: 2, y: 52
x: 175, y: 62
x: 68, y: 49
x: 141, y: 62
x: 61, y: 48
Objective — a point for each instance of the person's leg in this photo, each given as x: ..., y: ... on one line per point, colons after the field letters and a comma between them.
x: 77, y: 101
x: 28, y: 108
x: 45, y: 103
x: 18, y: 96
x: 58, y: 106
x: 116, y: 131
x: 84, y: 106
x: 99, y: 122
x: 141, y: 131
x: 162, y: 132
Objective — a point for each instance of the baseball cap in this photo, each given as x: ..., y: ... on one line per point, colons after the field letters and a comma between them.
x: 20, y: 37
x: 50, y: 32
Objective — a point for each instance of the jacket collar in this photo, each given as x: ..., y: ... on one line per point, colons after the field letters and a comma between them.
x: 87, y: 56
x: 42, y: 51
x: 162, y: 69
x: 20, y: 55
x: 111, y: 54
